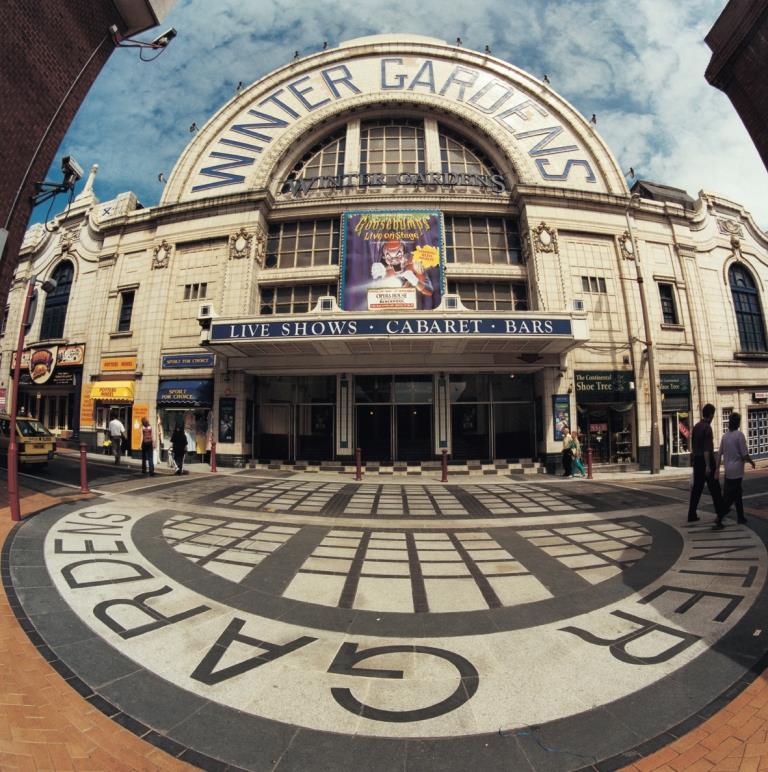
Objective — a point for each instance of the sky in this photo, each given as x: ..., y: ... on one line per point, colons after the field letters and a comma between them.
x: 638, y: 66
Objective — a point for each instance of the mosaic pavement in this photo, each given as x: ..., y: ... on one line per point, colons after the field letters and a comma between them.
x: 288, y: 625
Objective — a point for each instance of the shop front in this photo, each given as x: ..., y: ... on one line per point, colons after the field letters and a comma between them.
x: 49, y: 387
x: 676, y: 418
x: 187, y: 403
x: 111, y: 398
x: 606, y: 408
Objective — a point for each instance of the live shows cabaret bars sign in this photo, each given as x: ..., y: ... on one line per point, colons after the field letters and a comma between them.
x: 372, y: 326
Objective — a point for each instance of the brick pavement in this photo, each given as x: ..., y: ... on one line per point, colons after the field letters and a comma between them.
x: 47, y: 725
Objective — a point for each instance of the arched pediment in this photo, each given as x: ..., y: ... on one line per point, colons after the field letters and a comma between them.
x: 544, y: 138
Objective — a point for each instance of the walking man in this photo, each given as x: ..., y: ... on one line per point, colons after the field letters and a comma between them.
x: 733, y: 454
x: 116, y: 435
x: 704, y: 466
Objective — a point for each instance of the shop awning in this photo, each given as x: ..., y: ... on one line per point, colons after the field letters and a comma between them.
x: 112, y: 391
x: 195, y: 393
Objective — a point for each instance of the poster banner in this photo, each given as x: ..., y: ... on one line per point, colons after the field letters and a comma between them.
x: 226, y: 419
x: 561, y: 414
x: 392, y: 261
x: 139, y: 411
x: 86, y: 408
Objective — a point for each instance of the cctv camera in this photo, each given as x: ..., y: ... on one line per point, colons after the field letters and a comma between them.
x: 71, y: 169
x: 162, y: 40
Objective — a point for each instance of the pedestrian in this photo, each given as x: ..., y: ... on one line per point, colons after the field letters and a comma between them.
x: 704, y: 465
x: 116, y: 435
x: 179, y: 445
x: 733, y: 455
x: 576, y: 465
x: 147, y: 448
x: 567, y: 452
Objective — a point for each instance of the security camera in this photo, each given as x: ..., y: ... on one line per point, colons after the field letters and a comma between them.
x: 161, y: 41
x: 72, y: 171
x: 205, y: 316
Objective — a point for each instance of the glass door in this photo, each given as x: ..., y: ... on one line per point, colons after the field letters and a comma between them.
x: 274, y: 432
x: 374, y: 432
x: 314, y: 432
x: 414, y: 432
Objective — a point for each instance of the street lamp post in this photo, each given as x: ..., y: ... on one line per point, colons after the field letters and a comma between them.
x: 13, y: 447
x: 652, y: 375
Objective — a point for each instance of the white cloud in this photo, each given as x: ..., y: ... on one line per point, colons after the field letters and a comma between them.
x: 640, y: 67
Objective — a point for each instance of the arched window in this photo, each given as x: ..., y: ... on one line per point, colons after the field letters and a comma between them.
x: 459, y: 156
x: 392, y: 146
x: 56, y: 302
x: 325, y: 159
x: 746, y: 302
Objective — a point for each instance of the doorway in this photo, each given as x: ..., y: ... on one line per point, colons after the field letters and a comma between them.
x: 414, y: 432
x: 374, y: 428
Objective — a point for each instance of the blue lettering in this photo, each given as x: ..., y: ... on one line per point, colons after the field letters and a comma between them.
x: 541, y: 163
x: 429, y: 82
x: 268, y: 122
x: 400, y: 79
x: 519, y: 111
x: 219, y: 171
x: 299, y: 93
x: 540, y: 148
x: 346, y: 80
x: 279, y: 102
x: 462, y: 84
x: 506, y: 93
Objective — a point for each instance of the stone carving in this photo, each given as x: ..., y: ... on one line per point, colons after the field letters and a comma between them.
x: 729, y: 226
x: 240, y: 244
x: 627, y: 246
x: 67, y: 240
x: 161, y: 255
x: 544, y: 239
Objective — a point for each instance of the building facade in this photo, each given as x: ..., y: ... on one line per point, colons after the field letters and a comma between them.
x: 405, y: 247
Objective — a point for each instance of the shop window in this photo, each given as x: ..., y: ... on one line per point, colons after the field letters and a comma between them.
x: 492, y: 296
x: 56, y: 302
x: 126, y: 311
x: 392, y: 147
x: 594, y: 285
x: 458, y: 156
x: 482, y: 240
x: 293, y: 299
x: 668, y: 308
x: 303, y: 244
x: 746, y: 303
x: 196, y: 291
x: 4, y: 320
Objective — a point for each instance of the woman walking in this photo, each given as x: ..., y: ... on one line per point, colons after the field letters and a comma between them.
x: 179, y: 445
x: 147, y: 448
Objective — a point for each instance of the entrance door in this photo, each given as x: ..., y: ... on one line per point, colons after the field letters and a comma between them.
x: 314, y: 432
x: 414, y: 432
x: 274, y: 432
x: 471, y: 438
x: 374, y: 428
x: 513, y: 431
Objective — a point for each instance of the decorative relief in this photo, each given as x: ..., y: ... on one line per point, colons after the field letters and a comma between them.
x: 730, y: 226
x: 261, y: 245
x: 240, y: 244
x: 544, y: 239
x: 67, y: 240
x: 627, y: 246
x: 161, y: 255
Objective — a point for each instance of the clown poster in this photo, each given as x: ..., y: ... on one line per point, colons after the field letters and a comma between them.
x: 391, y: 261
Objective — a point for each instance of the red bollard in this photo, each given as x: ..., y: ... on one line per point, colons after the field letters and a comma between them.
x: 358, y: 464
x: 589, y: 463
x: 444, y: 465
x: 213, y: 456
x: 83, y: 470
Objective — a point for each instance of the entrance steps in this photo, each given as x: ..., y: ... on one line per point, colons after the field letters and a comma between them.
x: 524, y: 467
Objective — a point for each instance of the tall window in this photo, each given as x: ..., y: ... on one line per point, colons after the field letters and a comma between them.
x: 392, y: 147
x: 290, y: 299
x: 746, y: 302
x: 325, y: 159
x: 482, y: 240
x: 458, y: 156
x: 668, y: 309
x: 4, y: 320
x: 302, y: 244
x: 56, y: 302
x: 126, y: 311
x: 492, y: 296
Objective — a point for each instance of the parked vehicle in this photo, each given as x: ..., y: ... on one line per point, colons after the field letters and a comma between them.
x: 35, y: 443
